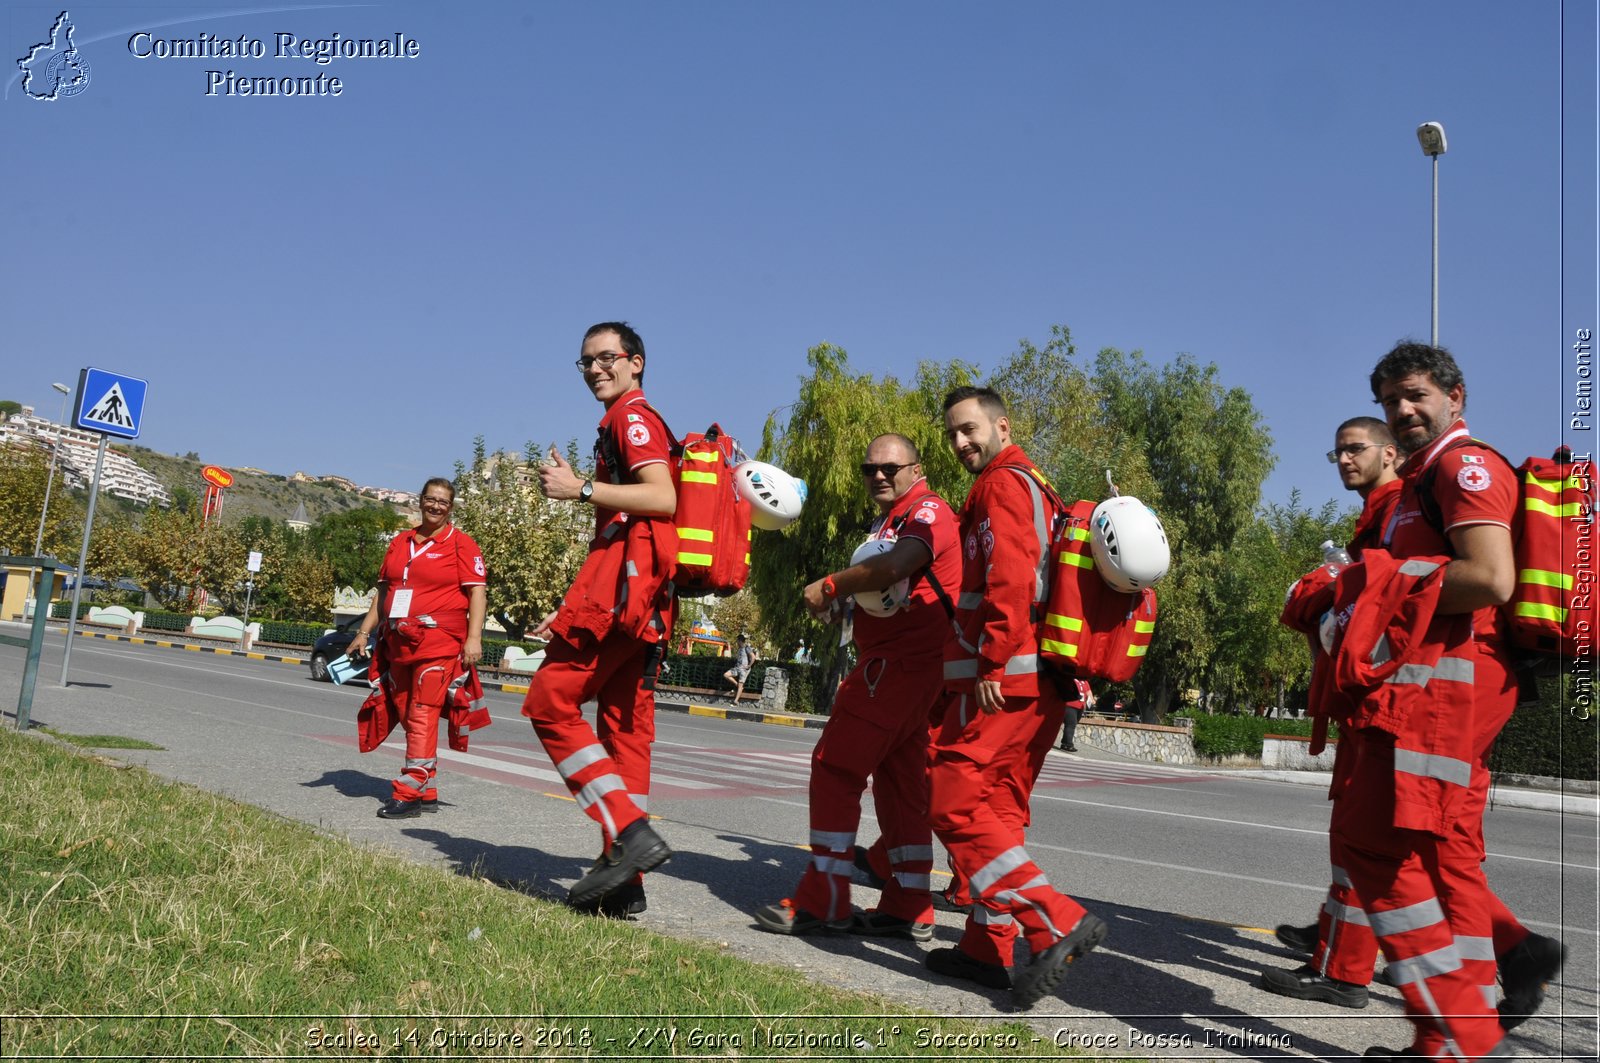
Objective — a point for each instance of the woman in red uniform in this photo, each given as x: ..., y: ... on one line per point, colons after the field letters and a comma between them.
x: 430, y: 603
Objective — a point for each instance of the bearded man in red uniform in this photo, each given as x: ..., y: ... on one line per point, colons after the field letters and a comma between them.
x: 879, y: 725
x: 1001, y: 716
x: 1410, y: 822
x: 430, y: 601
x: 608, y: 634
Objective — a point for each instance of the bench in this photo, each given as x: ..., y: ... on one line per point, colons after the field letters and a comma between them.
x: 517, y: 659
x: 230, y: 628
x: 116, y: 616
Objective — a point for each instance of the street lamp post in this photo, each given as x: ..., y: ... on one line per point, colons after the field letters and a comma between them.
x: 1431, y: 136
x: 49, y: 481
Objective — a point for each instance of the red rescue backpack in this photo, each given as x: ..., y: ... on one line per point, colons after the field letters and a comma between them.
x: 713, y: 519
x: 1089, y: 628
x: 1553, y: 612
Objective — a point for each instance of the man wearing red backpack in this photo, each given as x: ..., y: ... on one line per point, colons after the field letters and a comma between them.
x: 1410, y: 823
x: 607, y: 636
x: 1001, y: 716
x: 879, y: 725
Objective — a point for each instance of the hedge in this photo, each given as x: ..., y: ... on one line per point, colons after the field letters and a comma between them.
x: 1548, y: 739
x: 1233, y: 736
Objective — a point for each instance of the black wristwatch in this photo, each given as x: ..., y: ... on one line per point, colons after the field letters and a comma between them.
x: 586, y: 492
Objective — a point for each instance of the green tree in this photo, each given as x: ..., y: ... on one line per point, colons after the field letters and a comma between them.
x: 1258, y: 660
x: 353, y: 542
x: 23, y: 475
x: 837, y: 414
x: 9, y: 408
x: 532, y: 547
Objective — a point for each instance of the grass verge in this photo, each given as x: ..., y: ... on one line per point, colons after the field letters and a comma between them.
x: 100, y: 741
x: 147, y: 918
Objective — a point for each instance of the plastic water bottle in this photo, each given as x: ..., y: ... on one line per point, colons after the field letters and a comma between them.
x: 1335, y: 557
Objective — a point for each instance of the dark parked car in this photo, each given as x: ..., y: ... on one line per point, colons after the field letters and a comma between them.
x: 333, y: 645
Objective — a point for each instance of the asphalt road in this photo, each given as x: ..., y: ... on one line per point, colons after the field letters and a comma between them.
x: 1189, y: 867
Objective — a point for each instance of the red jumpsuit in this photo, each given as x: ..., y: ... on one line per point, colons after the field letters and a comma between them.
x: 424, y: 612
x: 1423, y: 706
x: 879, y: 726
x: 607, y: 634
x: 984, y: 765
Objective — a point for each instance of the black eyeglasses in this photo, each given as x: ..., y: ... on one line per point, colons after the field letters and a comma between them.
x: 438, y: 503
x: 887, y: 468
x: 605, y: 359
x: 1350, y: 450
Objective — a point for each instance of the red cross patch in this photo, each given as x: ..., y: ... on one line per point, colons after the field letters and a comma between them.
x: 1473, y: 478
x: 638, y: 434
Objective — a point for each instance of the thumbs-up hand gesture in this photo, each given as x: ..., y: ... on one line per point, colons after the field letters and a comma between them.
x: 557, y: 479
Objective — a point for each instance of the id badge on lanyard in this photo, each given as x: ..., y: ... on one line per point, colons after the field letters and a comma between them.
x: 400, y: 601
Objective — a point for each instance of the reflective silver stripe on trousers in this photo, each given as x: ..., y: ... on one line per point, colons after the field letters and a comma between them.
x: 581, y: 759
x: 909, y: 881
x: 1017, y: 900
x: 425, y: 763
x: 1428, y: 965
x: 642, y: 800
x: 989, y: 917
x: 1433, y: 766
x: 1412, y: 917
x: 591, y: 792
x: 832, y: 865
x: 998, y: 868
x: 1341, y: 877
x: 904, y: 854
x: 835, y: 841
x: 1347, y: 913
x: 969, y: 600
x: 1476, y: 948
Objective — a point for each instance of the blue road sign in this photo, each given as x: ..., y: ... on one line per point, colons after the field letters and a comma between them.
x: 109, y: 403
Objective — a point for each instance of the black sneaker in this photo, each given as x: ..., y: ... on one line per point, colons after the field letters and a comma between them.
x: 873, y: 923
x: 637, y: 849
x: 1306, y: 984
x: 1389, y: 976
x: 943, y: 903
x: 430, y: 804
x: 1524, y: 973
x: 1299, y: 938
x: 397, y: 809
x: 627, y: 899
x: 785, y: 918
x: 953, y: 963
x: 1069, y: 749
x: 1045, y: 971
x: 864, y: 865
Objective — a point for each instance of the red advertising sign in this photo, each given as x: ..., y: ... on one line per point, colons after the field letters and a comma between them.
x: 218, y: 476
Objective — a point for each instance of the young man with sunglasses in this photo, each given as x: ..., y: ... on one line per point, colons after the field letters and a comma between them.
x: 607, y: 635
x: 881, y: 717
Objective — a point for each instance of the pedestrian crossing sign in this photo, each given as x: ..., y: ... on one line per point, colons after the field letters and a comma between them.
x: 109, y: 403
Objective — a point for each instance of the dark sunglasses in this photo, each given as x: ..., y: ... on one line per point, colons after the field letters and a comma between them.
x: 888, y: 468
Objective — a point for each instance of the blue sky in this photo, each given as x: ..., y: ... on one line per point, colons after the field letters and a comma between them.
x: 361, y: 284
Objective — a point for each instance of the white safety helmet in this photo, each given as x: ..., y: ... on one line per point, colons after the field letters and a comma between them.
x: 775, y: 497
x: 1129, y: 544
x: 889, y: 600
